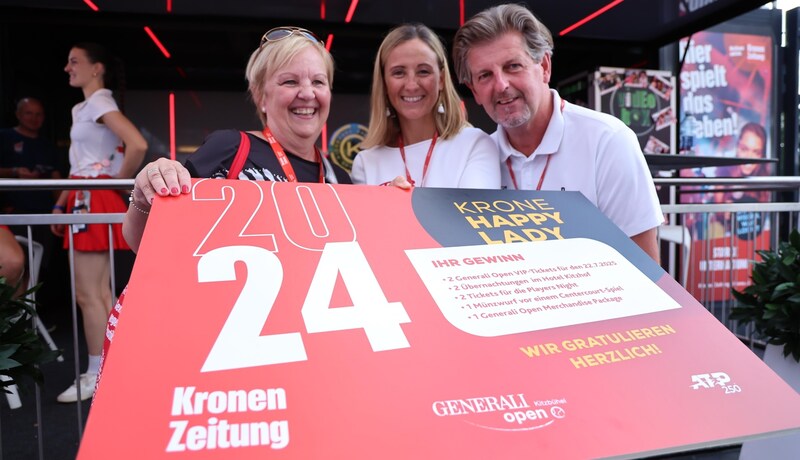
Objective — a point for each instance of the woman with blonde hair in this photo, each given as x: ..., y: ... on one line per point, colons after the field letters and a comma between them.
x: 290, y: 76
x: 418, y: 132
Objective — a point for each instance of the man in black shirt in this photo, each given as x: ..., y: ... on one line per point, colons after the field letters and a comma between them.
x: 25, y: 155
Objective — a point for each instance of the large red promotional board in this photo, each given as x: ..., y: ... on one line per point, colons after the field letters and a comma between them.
x: 271, y: 320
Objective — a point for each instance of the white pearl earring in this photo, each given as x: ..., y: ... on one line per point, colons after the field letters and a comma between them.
x: 440, y: 109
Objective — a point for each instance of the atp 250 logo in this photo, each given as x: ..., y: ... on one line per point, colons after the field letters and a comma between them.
x: 715, y: 379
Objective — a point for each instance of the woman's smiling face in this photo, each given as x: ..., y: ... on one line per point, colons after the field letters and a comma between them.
x: 297, y: 98
x: 413, y: 80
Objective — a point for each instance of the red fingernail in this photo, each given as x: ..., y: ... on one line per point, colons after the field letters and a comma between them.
x: 185, y: 189
x: 174, y: 190
x: 164, y: 191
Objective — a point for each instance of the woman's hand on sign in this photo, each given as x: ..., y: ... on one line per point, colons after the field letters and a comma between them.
x: 162, y: 177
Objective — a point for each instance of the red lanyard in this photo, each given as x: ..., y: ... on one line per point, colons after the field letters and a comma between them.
x: 514, y: 178
x: 427, y: 157
x: 284, y: 160
x: 544, y: 171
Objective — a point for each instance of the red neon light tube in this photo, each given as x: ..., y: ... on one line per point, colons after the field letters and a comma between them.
x: 157, y: 41
x: 590, y: 17
x: 91, y: 5
x: 351, y: 10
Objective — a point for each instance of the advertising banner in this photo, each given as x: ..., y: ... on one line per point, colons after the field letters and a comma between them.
x: 295, y: 321
x: 643, y: 99
x: 726, y: 111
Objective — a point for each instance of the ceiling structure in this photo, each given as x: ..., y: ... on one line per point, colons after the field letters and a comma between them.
x: 209, y: 41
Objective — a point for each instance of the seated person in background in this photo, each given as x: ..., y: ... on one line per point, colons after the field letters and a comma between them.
x: 503, y: 55
x: 418, y: 133
x: 26, y: 155
x: 12, y: 259
x: 290, y: 76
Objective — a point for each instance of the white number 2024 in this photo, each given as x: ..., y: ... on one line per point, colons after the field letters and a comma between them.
x: 240, y: 343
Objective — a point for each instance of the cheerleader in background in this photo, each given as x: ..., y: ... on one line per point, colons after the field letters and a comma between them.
x: 104, y: 144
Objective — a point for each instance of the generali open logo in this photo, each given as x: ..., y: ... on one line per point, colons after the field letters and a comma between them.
x: 509, y: 412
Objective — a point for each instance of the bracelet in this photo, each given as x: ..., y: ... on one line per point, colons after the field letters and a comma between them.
x: 133, y: 203
x: 62, y: 208
x: 139, y: 209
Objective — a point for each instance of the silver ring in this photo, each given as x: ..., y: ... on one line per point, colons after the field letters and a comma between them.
x: 151, y: 170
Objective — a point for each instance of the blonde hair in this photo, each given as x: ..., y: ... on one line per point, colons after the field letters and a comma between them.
x: 493, y: 22
x: 383, y: 129
x: 271, y: 56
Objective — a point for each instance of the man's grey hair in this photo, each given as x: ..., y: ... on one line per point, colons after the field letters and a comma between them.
x: 493, y: 22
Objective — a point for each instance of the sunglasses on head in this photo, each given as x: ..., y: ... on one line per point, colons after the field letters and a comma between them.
x: 279, y: 33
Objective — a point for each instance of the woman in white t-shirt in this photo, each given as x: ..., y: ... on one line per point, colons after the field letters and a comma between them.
x: 418, y: 132
x: 104, y: 144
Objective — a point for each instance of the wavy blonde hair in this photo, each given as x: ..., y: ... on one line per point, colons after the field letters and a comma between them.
x: 384, y: 130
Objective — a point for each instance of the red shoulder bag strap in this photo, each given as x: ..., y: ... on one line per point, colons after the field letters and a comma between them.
x: 241, y: 156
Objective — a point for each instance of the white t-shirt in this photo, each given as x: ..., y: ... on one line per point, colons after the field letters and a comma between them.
x: 94, y: 149
x: 466, y: 160
x: 595, y: 154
